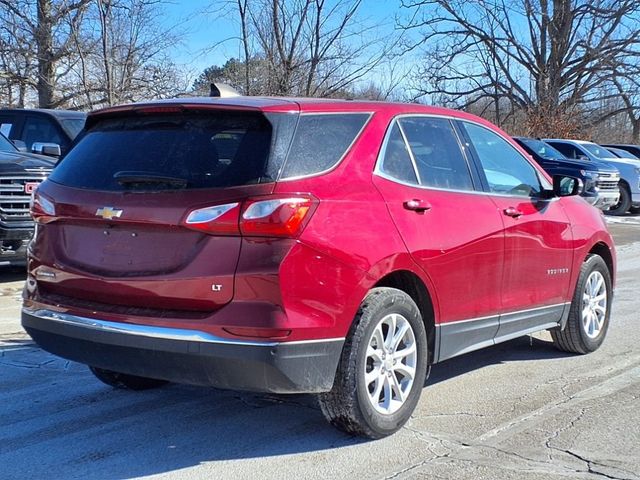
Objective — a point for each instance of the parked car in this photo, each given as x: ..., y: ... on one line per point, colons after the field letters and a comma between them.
x: 629, y: 169
x: 303, y: 245
x: 600, y: 180
x: 48, y: 132
x: 620, y: 153
x: 20, y: 174
x: 633, y: 149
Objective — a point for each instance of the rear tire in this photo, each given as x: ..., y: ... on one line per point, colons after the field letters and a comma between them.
x: 126, y: 381
x: 624, y: 203
x: 382, y: 368
x: 588, y: 319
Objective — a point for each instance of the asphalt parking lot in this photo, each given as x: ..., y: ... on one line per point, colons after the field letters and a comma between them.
x: 519, y: 410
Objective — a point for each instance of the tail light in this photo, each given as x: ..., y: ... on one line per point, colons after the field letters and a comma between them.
x: 42, y: 209
x: 255, y: 217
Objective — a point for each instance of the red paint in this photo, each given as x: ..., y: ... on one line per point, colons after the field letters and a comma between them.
x: 473, y: 258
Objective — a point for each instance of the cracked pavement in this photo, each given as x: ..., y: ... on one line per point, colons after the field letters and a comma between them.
x: 519, y: 410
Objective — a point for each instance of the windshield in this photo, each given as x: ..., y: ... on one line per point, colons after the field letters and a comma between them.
x: 6, y: 145
x: 597, y: 150
x: 543, y: 149
x: 73, y: 126
x: 624, y: 154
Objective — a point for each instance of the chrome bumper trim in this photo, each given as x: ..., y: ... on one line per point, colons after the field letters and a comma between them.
x: 154, y: 331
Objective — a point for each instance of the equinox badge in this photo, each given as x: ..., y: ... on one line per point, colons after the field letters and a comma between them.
x: 108, y: 213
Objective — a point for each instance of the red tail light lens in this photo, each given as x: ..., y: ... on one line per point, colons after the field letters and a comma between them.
x: 275, y: 217
x: 260, y: 217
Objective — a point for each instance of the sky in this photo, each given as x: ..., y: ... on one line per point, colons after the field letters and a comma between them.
x: 207, y: 33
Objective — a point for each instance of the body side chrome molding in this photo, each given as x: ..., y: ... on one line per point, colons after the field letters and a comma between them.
x: 156, y: 332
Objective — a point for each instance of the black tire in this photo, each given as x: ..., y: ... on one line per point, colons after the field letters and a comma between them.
x: 575, y: 337
x: 634, y: 210
x: 348, y: 406
x: 126, y: 381
x: 624, y: 204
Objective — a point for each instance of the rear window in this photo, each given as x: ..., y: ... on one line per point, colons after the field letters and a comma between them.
x: 320, y: 142
x: 159, y: 152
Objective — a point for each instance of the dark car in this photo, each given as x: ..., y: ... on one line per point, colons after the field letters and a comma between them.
x: 600, y: 180
x: 633, y: 149
x: 307, y: 246
x: 40, y: 130
x: 20, y: 174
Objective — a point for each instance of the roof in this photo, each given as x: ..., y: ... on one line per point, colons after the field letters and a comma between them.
x: 293, y: 104
x: 46, y: 111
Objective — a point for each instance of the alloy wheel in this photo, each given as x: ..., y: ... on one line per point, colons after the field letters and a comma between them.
x: 391, y: 361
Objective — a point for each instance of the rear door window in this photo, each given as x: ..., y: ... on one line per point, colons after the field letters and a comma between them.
x: 160, y: 151
x: 320, y: 142
x: 436, y: 151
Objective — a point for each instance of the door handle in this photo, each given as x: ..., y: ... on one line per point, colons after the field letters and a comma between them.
x: 512, y: 212
x: 417, y: 205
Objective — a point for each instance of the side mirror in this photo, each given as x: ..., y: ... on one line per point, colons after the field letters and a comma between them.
x: 43, y: 148
x: 565, y: 186
x: 20, y: 145
x: 584, y: 158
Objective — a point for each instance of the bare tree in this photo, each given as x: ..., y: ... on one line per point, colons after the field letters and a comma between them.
x: 306, y: 47
x: 547, y: 58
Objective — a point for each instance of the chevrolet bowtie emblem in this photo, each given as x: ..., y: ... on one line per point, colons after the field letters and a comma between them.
x: 108, y: 213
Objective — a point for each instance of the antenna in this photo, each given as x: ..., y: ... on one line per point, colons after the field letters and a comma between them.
x: 222, y: 90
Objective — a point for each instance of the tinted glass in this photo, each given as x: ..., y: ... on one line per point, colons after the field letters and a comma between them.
x: 597, y: 150
x: 436, y: 152
x: 507, y: 171
x: 567, y: 150
x: 541, y: 148
x: 195, y: 150
x: 624, y: 154
x: 6, y: 145
x: 321, y: 141
x: 72, y: 126
x: 40, y: 130
x: 397, y: 161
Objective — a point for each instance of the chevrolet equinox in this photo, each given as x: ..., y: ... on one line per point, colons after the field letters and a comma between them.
x: 307, y: 246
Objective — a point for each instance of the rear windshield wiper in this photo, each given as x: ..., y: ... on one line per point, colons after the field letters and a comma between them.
x: 142, y: 178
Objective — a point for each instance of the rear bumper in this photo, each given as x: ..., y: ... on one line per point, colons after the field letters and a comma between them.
x: 187, y: 356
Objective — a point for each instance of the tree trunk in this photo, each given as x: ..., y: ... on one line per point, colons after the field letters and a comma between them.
x: 44, y: 47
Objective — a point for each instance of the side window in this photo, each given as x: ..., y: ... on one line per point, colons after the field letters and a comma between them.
x: 40, y: 130
x: 507, y: 171
x: 436, y: 152
x: 321, y: 141
x: 397, y: 161
x: 567, y: 150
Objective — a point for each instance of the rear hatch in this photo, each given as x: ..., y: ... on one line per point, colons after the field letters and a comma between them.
x: 115, y: 217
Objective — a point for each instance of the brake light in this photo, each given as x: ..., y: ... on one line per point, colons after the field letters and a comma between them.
x: 255, y: 217
x: 275, y: 217
x: 42, y: 209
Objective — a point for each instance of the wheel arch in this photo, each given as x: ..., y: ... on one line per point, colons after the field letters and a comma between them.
x: 411, y: 284
x: 602, y: 249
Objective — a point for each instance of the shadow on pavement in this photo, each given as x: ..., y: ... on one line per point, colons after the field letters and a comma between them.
x: 74, y: 424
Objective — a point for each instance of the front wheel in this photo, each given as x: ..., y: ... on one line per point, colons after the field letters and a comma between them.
x: 382, y: 368
x: 590, y: 309
x: 624, y: 203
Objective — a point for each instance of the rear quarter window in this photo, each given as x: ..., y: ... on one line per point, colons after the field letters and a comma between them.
x: 320, y: 142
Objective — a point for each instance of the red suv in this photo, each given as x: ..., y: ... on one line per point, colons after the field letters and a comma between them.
x: 287, y: 245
